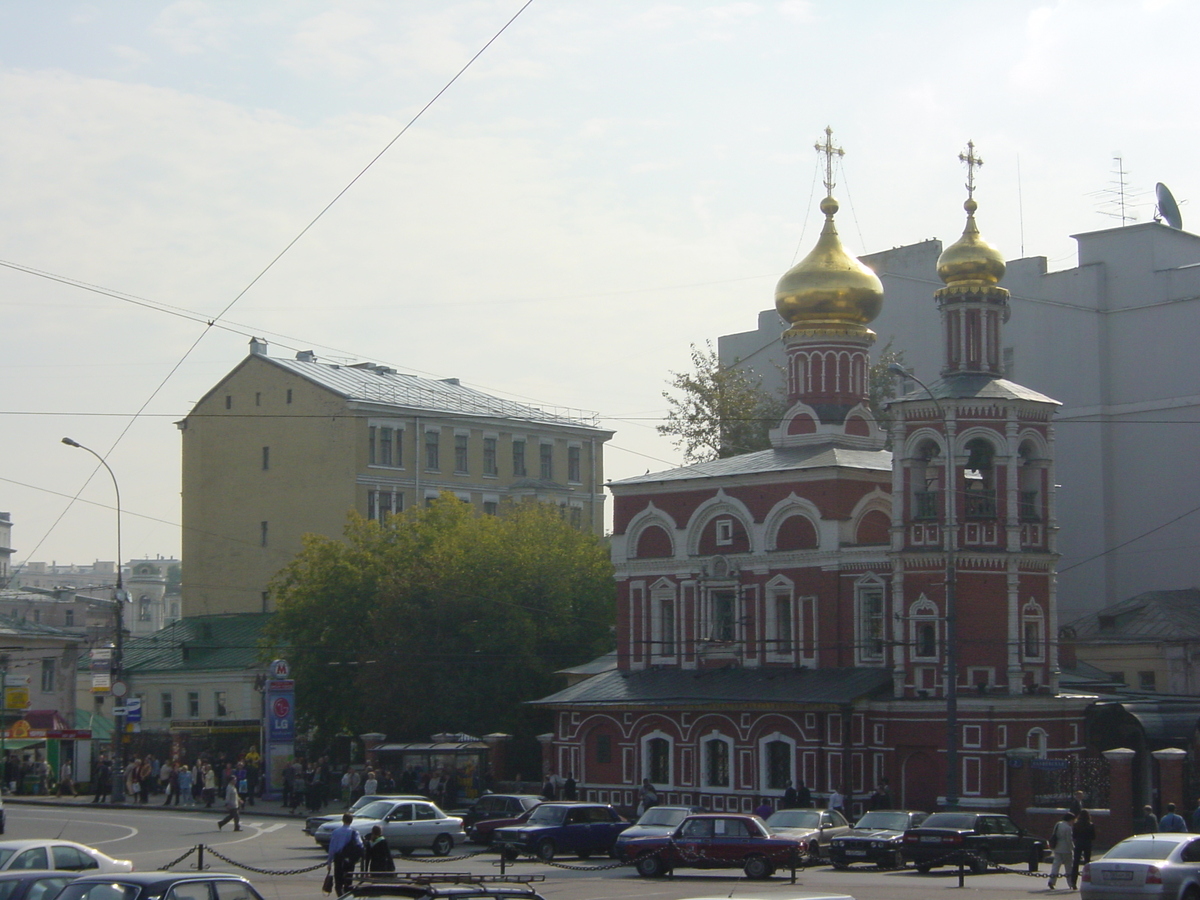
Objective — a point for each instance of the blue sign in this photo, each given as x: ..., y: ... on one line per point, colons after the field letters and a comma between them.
x: 133, y: 709
x: 1050, y: 764
x: 281, y: 717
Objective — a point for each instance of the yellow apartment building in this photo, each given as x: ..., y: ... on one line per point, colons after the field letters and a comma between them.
x: 283, y: 447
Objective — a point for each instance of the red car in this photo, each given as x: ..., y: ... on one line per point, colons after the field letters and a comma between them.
x: 483, y: 832
x: 714, y: 841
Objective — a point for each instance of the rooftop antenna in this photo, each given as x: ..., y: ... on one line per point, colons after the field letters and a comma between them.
x: 1117, y: 197
x: 1167, y: 209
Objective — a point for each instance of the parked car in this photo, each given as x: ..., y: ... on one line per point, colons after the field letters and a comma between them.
x: 149, y: 885
x: 815, y: 828
x: 484, y: 832
x: 984, y: 838
x: 312, y: 823
x: 714, y: 841
x: 436, y: 886
x: 563, y: 827
x: 33, y: 884
x: 66, y: 855
x: 499, y: 806
x: 1158, y: 866
x: 878, y: 837
x: 657, y: 820
x: 407, y: 825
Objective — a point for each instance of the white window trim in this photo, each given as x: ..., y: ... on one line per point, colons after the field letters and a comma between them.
x: 924, y: 612
x: 779, y: 587
x: 730, y: 788
x: 661, y: 592
x: 724, y: 532
x: 645, y: 757
x: 1031, y: 613
x: 762, y: 760
x: 871, y: 583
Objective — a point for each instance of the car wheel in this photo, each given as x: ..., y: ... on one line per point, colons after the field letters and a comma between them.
x: 924, y: 869
x: 758, y: 868
x: 1192, y: 893
x: 650, y: 867
x: 406, y: 851
x: 814, y: 853
x: 895, y: 861
x: 442, y: 845
x: 545, y: 850
x: 584, y: 854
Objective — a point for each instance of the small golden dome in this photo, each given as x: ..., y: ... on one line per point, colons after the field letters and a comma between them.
x: 971, y: 260
x: 829, y: 288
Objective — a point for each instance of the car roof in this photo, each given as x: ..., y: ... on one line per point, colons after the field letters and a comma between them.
x: 15, y: 874
x: 516, y: 796
x: 38, y: 842
x: 574, y: 803
x: 160, y: 877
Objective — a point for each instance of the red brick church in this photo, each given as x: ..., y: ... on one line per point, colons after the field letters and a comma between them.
x: 782, y: 615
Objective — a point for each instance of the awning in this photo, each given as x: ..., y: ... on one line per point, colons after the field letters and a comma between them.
x: 22, y: 743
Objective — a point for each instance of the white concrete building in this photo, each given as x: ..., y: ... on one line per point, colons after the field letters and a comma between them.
x: 1113, y: 338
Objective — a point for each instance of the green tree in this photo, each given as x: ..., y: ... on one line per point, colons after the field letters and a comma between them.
x: 440, y: 619
x: 719, y: 411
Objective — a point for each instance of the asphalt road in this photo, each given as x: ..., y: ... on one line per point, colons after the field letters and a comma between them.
x: 153, y: 837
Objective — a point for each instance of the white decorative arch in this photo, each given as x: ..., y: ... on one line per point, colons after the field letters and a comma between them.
x: 918, y: 437
x: 647, y: 517
x: 976, y: 432
x: 877, y: 500
x: 719, y: 505
x: 1038, y: 739
x: 922, y: 613
x: 785, y: 509
x: 1033, y: 631
x: 1030, y: 436
x: 864, y: 411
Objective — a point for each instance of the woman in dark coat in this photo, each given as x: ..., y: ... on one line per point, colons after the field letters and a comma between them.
x: 1084, y: 834
x: 378, y: 857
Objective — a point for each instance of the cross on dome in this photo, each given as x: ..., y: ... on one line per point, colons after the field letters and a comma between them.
x: 829, y: 152
x: 973, y: 162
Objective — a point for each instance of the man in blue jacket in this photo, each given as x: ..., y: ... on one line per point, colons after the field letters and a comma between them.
x: 345, y: 849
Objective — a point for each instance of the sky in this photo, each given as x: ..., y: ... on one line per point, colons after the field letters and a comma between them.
x: 609, y: 183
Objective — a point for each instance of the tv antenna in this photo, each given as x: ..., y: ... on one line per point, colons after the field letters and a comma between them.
x: 1167, y: 209
x: 1117, y: 200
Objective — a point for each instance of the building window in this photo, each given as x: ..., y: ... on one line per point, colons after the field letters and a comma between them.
x: 385, y: 446
x: 431, y: 450
x: 229, y: 401
x: 372, y: 508
x: 519, y: 459
x: 489, y: 456
x: 547, y: 461
x: 193, y: 704
x: 926, y: 471
x: 219, y: 701
x: 724, y: 532
x: 289, y: 395
x: 69, y: 620
x: 1118, y: 677
x: 144, y: 609
x: 662, y: 600
x: 385, y: 505
x: 47, y: 676
x: 575, y: 516
x: 460, y: 454
x: 266, y: 458
x: 603, y: 748
x: 658, y: 761
x: 979, y: 474
x: 926, y: 644
x: 1032, y: 631
x: 778, y: 761
x: 168, y: 706
x: 1146, y: 681
x: 371, y: 436
x: 490, y: 507
x: 782, y: 610
x: 573, y: 467
x: 716, y: 763
x: 262, y: 527
x: 724, y: 605
x: 870, y: 622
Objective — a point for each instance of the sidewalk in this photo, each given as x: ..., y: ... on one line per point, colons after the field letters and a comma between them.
x: 260, y: 807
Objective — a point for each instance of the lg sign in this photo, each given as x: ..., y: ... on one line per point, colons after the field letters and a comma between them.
x: 282, y: 707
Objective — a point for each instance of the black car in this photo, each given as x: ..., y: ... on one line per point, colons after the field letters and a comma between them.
x: 147, y: 885
x: 878, y: 837
x: 977, y: 839
x: 499, y: 806
x: 33, y: 884
x: 443, y: 886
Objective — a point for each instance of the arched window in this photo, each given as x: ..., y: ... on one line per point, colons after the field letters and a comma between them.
x: 1029, y: 479
x: 980, y: 477
x: 716, y: 754
x: 1033, y: 631
x: 658, y: 760
x: 777, y: 758
x: 1037, y: 739
x: 926, y: 472
x: 869, y: 624
x: 923, y: 616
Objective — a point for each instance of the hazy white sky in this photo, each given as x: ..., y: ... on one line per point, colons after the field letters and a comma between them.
x: 611, y: 182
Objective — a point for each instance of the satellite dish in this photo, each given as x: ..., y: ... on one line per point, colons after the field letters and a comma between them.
x: 1167, y: 207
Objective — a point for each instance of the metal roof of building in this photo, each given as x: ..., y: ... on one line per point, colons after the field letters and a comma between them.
x: 685, y: 687
x: 775, y: 460
x: 372, y: 383
x: 1148, y: 617
x: 599, y: 665
x: 976, y: 387
x: 18, y: 628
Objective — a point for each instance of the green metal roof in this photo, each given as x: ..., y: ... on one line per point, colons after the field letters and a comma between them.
x: 195, y: 643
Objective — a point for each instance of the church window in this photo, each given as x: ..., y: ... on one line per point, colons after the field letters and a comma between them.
x: 870, y: 622
x: 782, y: 601
x: 662, y: 599
x: 1029, y: 480
x: 603, y: 748
x: 724, y: 532
x: 979, y: 474
x: 926, y: 470
x: 724, y: 619
x: 926, y: 641
x: 1032, y: 631
x: 658, y: 760
x: 716, y: 762
x: 777, y: 764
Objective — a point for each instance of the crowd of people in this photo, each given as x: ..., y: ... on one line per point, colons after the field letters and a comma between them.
x: 315, y: 784
x: 181, y: 784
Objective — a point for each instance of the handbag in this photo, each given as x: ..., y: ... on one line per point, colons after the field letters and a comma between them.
x: 327, y: 885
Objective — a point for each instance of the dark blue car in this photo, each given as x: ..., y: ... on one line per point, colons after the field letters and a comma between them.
x: 554, y: 828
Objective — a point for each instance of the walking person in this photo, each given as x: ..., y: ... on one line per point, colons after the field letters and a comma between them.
x: 233, y: 804
x: 1148, y: 823
x: 1172, y: 822
x: 183, y: 784
x: 649, y: 798
x: 378, y: 854
x: 103, y: 781
x: 837, y: 800
x: 66, y: 780
x: 1083, y: 832
x: 345, y: 850
x: 210, y: 786
x: 1062, y: 847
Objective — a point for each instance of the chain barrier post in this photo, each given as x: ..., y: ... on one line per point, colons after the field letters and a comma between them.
x: 961, y: 871
x: 199, y: 857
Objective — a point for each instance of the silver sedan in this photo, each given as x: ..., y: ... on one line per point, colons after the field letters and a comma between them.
x: 407, y: 825
x: 1145, y: 867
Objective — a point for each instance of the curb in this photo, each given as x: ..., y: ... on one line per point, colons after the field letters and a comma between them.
x: 87, y: 804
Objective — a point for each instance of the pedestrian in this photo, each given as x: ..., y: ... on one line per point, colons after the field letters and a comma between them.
x: 210, y: 786
x: 133, y: 779
x: 66, y: 780
x: 1148, y: 823
x: 1077, y: 803
x: 289, y: 781
x: 103, y: 781
x: 882, y: 798
x: 145, y: 780
x: 803, y: 797
x: 1062, y: 847
x: 371, y: 785
x: 763, y: 810
x: 649, y: 797
x: 233, y: 804
x: 1172, y: 822
x: 570, y: 788
x: 1196, y: 817
x: 183, y: 785
x: 378, y: 854
x: 252, y: 785
x: 1083, y: 833
x: 171, y: 785
x: 345, y: 850
x: 789, y: 796
x: 837, y: 800
x: 548, y: 789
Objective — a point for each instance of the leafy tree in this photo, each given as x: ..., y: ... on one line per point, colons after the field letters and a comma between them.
x: 440, y: 619
x: 719, y: 410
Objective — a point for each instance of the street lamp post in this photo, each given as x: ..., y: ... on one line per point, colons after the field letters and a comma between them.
x: 118, y: 774
x: 949, y: 543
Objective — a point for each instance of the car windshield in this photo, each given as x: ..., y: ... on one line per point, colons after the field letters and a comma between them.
x: 363, y: 801
x: 548, y: 815
x: 376, y: 809
x: 107, y: 890
x: 795, y: 818
x: 891, y: 821
x: 1141, y: 848
x: 660, y: 816
x: 949, y: 820
x: 5, y: 855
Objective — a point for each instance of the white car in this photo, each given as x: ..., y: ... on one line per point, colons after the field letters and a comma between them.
x: 407, y: 825
x: 65, y: 855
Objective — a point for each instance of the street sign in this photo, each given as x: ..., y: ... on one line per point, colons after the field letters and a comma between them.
x: 133, y: 709
x: 119, y: 689
x: 16, y: 698
x: 280, y: 669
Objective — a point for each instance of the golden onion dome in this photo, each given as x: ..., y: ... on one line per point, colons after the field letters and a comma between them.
x: 971, y: 260
x: 829, y: 288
